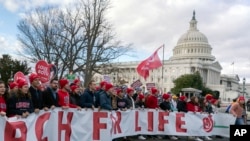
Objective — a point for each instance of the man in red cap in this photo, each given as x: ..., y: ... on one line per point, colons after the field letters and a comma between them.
x: 105, y: 99
x: 152, y: 101
x: 36, y: 94
x: 98, y: 92
x: 182, y: 104
x: 63, y: 95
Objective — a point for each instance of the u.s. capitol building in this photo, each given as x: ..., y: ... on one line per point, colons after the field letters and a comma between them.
x: 192, y: 53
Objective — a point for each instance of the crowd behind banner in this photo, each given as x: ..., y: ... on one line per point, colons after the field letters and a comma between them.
x: 68, y: 125
x: 23, y: 98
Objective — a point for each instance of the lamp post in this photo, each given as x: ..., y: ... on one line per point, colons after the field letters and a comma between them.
x: 244, y: 81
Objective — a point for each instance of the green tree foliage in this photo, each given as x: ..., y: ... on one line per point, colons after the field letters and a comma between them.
x: 9, y: 66
x: 191, y: 81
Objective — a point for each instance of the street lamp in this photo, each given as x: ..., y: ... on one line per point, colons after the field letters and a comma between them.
x: 244, y: 81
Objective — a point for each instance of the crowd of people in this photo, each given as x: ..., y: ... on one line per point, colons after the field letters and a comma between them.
x: 21, y: 98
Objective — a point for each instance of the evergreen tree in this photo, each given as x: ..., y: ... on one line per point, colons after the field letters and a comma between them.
x: 9, y: 66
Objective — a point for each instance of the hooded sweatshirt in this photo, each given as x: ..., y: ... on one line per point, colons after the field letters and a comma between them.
x: 63, y: 99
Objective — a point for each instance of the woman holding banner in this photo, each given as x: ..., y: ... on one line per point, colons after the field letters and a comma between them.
x: 21, y: 104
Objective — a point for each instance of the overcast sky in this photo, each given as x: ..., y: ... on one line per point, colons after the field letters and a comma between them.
x: 147, y: 24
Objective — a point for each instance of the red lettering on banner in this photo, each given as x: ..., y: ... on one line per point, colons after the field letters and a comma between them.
x: 10, y: 133
x: 97, y: 126
x: 66, y: 126
x: 39, y: 126
x: 137, y: 127
x: 150, y: 121
x: 180, y: 122
x: 117, y: 127
x: 162, y: 121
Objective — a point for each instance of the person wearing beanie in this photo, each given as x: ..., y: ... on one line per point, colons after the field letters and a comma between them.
x: 13, y: 87
x: 36, y: 94
x: 63, y: 95
x: 98, y: 92
x: 75, y: 94
x: 182, y: 104
x: 131, y: 102
x: 209, y: 97
x: 105, y: 97
x: 77, y: 82
x: 152, y: 101
x: 166, y: 106
x: 140, y: 102
x: 122, y: 103
x: 237, y: 110
x: 50, y: 96
x: 21, y: 104
x: 193, y: 106
x: 3, y: 95
x: 88, y: 98
x: 209, y: 108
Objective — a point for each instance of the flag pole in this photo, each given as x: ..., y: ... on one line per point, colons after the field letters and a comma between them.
x: 162, y: 71
x: 233, y: 67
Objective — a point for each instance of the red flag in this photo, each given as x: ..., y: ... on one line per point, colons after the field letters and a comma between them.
x: 150, y: 63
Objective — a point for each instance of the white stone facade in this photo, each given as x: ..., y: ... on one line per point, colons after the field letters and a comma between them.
x: 192, y: 53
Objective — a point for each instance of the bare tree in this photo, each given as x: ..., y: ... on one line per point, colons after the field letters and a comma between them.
x: 78, y: 38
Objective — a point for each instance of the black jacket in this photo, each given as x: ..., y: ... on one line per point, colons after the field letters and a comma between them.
x: 88, y: 99
x: 37, y: 98
x: 97, y: 96
x: 165, y: 106
x: 182, y: 106
x: 48, y: 98
x: 18, y: 106
x: 75, y: 99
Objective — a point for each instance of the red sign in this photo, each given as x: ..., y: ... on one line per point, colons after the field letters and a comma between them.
x: 43, y: 70
x: 19, y: 75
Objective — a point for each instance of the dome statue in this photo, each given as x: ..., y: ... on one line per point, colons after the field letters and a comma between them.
x: 193, y: 44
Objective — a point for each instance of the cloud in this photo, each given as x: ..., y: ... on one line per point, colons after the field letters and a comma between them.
x: 9, y: 45
x: 20, y: 5
x: 149, y: 23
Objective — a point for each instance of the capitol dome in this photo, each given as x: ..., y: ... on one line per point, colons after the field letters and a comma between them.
x: 193, y: 45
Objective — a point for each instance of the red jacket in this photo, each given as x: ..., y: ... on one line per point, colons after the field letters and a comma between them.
x: 2, y: 104
x: 193, y: 107
x: 152, y: 102
x: 63, y: 99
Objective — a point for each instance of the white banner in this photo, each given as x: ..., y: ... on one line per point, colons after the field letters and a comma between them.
x: 72, y: 125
